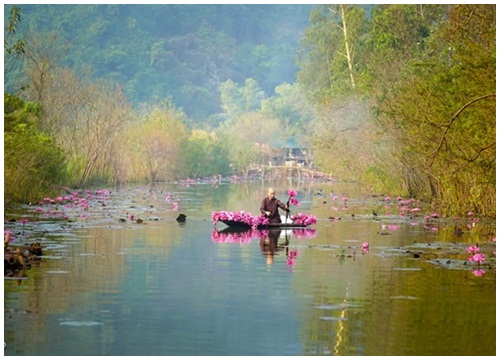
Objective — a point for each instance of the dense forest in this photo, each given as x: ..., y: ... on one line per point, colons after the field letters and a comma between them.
x: 401, y: 97
x: 180, y: 51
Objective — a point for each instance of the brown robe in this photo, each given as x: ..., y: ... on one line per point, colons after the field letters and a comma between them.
x: 272, y: 206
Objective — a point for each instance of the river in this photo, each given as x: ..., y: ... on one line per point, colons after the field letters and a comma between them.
x: 106, y: 286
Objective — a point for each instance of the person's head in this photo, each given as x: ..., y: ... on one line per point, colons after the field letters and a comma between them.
x: 271, y: 193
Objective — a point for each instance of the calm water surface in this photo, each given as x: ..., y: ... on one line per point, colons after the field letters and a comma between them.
x: 164, y: 288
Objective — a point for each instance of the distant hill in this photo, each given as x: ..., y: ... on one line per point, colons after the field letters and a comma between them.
x: 181, y: 51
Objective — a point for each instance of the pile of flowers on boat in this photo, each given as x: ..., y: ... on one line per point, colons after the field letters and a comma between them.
x: 255, y: 221
x: 304, y: 219
x: 240, y: 216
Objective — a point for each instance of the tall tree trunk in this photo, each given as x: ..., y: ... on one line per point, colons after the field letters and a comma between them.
x: 347, y: 50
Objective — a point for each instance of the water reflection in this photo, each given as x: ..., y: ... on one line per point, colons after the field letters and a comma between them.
x: 160, y: 288
x: 271, y: 242
x: 269, y: 245
x: 235, y: 236
x: 240, y: 236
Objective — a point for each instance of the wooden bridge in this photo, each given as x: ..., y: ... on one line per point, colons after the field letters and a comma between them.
x: 298, y: 171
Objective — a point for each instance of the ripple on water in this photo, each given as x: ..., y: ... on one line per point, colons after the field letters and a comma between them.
x: 337, y: 306
x: 80, y: 323
x: 332, y: 318
x: 403, y: 297
x: 52, y: 257
x: 190, y: 296
x: 15, y: 278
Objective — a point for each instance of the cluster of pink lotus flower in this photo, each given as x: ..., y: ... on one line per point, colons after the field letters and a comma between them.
x: 255, y: 221
x: 62, y: 204
x: 291, y: 197
x: 476, y: 256
x: 391, y: 227
x: 304, y: 219
x: 239, y: 216
x: 7, y: 231
x: 175, y: 204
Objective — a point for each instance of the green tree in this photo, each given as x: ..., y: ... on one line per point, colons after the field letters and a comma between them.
x: 294, y: 112
x: 206, y: 154
x: 85, y: 118
x: 159, y: 143
x: 251, y: 140
x: 237, y: 100
x: 442, y: 113
x: 397, y: 34
x: 13, y: 46
x: 33, y: 164
x: 329, y: 59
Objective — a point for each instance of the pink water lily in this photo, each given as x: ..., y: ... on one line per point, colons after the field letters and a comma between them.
x: 11, y: 234
x: 255, y: 221
x: 304, y: 219
x: 240, y: 216
x: 473, y: 249
x: 294, y: 202
x: 479, y: 258
x: 292, y: 193
x: 365, y: 247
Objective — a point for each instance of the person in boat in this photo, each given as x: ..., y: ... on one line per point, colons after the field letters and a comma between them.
x: 270, y: 207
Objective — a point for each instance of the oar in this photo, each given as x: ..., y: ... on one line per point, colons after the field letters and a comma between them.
x: 288, y: 212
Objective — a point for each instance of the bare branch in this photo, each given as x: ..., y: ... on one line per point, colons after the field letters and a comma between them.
x: 434, y: 153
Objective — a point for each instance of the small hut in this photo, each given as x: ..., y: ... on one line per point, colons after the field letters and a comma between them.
x: 290, y: 153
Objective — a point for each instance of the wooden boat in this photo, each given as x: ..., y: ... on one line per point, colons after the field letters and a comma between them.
x: 242, y: 225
